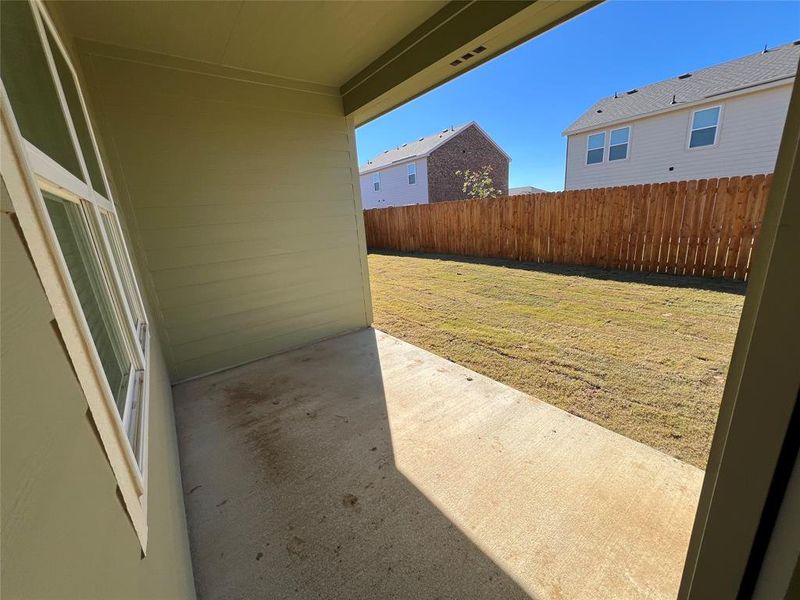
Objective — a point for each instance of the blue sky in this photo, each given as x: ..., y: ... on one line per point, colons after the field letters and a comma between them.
x: 525, y: 98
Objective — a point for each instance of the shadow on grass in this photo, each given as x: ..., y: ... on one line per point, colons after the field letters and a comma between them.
x: 727, y: 286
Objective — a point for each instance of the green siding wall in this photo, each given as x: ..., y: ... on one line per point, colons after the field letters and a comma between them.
x: 243, y: 197
x: 65, y: 532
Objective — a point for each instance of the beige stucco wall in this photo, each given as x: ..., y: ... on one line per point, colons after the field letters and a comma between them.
x: 244, y: 201
x: 65, y: 531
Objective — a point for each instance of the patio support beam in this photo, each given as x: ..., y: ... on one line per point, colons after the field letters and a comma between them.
x: 421, y: 60
x: 755, y: 443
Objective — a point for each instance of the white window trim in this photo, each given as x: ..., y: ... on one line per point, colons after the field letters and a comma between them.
x: 586, y: 154
x: 409, y: 173
x: 376, y: 180
x: 26, y: 171
x: 627, y: 144
x: 716, y: 130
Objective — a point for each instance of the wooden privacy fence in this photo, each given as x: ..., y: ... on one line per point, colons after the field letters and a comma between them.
x: 704, y: 227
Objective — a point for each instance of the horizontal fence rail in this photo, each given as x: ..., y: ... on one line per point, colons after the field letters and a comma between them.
x: 704, y: 227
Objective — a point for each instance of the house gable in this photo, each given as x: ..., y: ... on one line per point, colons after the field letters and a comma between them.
x: 471, y: 149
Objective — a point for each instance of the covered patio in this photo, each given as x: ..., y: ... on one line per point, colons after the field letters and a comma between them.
x: 187, y: 325
x: 365, y: 467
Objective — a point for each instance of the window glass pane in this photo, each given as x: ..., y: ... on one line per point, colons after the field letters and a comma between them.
x: 619, y: 136
x: 78, y: 118
x: 131, y: 298
x: 594, y: 156
x: 618, y: 152
x: 84, y: 270
x: 30, y: 88
x: 597, y: 140
x: 702, y: 137
x: 705, y: 118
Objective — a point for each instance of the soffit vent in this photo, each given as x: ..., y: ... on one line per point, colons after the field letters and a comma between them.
x: 468, y: 56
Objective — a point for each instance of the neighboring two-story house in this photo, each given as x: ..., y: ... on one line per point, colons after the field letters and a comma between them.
x: 425, y: 170
x: 720, y: 121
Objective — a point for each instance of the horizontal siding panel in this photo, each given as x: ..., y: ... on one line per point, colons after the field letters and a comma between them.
x: 294, y: 338
x: 208, y: 274
x: 314, y: 311
x: 167, y: 217
x: 395, y: 189
x: 269, y: 231
x: 243, y: 200
x: 235, y: 288
x: 266, y: 300
x: 216, y: 193
x: 281, y: 312
x: 201, y: 255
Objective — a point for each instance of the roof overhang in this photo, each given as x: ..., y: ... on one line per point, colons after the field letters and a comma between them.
x: 426, y: 57
x: 375, y: 55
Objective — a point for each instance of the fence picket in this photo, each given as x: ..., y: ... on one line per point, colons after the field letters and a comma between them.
x: 703, y: 228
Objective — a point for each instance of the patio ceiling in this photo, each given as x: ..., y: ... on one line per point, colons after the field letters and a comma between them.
x: 320, y: 42
x: 377, y: 55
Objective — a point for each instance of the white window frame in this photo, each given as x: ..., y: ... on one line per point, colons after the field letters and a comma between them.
x: 693, y: 129
x: 27, y: 172
x: 376, y: 182
x: 586, y: 156
x: 627, y: 144
x: 411, y: 171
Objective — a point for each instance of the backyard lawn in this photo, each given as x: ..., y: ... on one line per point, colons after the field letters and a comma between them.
x: 643, y: 355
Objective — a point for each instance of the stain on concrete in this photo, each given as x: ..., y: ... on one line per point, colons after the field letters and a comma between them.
x: 297, y: 548
x: 349, y: 500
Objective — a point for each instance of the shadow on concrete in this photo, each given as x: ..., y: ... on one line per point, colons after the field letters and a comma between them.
x: 660, y: 279
x: 292, y: 491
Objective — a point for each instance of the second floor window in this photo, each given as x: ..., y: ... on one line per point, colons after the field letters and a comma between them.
x: 704, y: 127
x: 376, y: 182
x: 618, y: 143
x: 412, y: 173
x: 595, y: 147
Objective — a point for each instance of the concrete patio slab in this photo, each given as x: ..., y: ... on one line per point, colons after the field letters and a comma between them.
x: 365, y: 467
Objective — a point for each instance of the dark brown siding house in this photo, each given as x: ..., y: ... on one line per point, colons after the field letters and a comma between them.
x: 425, y: 170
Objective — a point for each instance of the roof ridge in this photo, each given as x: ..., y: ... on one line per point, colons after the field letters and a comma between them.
x: 454, y: 129
x: 730, y: 76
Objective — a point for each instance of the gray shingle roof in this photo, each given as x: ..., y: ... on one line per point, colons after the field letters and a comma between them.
x: 422, y: 147
x: 748, y: 71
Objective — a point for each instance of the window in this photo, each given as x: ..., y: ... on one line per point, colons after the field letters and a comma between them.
x: 376, y: 182
x: 704, y: 127
x: 94, y: 292
x: 618, y: 143
x: 411, y: 171
x: 595, y: 147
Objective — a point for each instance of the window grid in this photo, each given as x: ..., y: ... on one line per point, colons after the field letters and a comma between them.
x: 704, y: 127
x: 98, y: 234
x: 618, y: 143
x: 595, y: 148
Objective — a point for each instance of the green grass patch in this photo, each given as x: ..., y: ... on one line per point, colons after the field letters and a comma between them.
x: 644, y: 355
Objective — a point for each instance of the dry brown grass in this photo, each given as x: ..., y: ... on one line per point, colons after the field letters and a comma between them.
x: 643, y: 355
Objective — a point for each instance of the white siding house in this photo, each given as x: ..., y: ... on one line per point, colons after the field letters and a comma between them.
x: 722, y: 121
x: 424, y: 170
x: 395, y: 185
